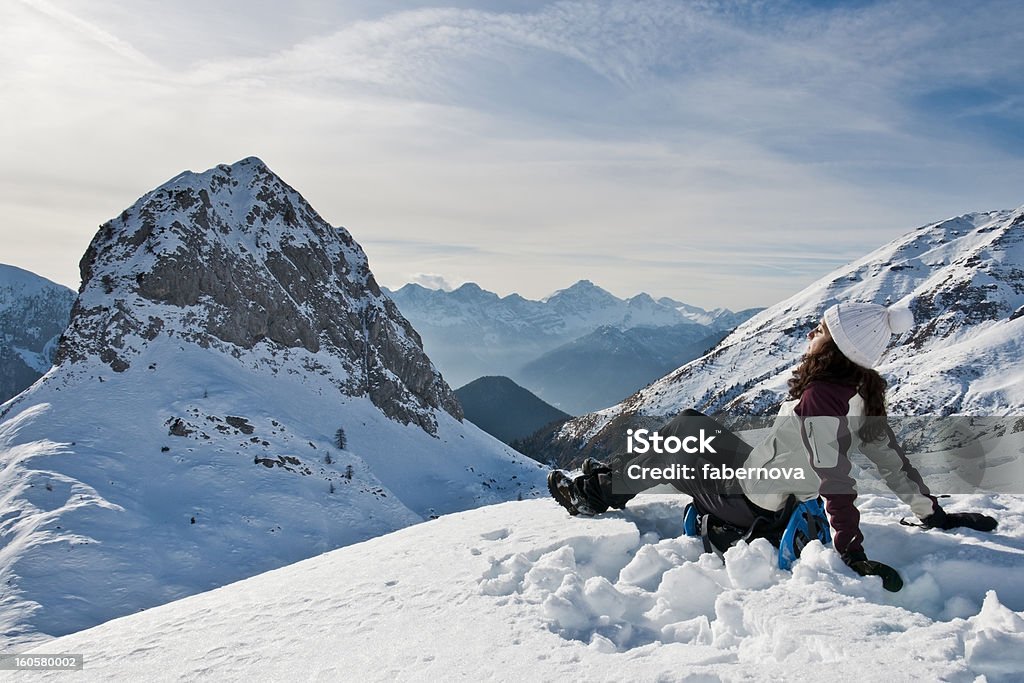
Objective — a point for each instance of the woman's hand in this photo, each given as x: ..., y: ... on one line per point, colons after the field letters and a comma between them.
x: 859, y: 562
x: 953, y: 520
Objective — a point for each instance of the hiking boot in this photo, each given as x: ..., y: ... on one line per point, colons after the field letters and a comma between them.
x: 565, y: 489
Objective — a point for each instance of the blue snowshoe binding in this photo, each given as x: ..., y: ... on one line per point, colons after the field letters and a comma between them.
x: 806, y: 523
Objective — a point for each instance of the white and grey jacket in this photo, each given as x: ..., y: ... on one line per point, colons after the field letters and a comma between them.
x: 817, y: 433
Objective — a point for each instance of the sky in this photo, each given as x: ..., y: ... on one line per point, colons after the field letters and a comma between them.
x: 720, y: 153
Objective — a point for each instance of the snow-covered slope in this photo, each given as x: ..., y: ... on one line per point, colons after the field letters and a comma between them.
x: 233, y: 394
x: 471, y: 332
x: 522, y: 592
x: 964, y: 280
x: 33, y: 313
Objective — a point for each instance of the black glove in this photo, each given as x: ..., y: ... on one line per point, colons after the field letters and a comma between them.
x: 952, y: 520
x: 859, y: 562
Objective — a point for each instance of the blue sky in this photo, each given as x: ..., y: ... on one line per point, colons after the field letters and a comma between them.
x: 721, y: 153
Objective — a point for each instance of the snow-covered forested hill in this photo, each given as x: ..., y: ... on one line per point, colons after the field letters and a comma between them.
x: 963, y: 278
x: 522, y: 592
x: 33, y: 313
x: 233, y: 394
x: 504, y: 409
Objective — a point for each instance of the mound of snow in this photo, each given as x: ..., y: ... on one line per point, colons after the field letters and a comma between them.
x: 521, y: 591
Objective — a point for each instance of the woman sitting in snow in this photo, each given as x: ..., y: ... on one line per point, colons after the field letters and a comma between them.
x: 836, y: 406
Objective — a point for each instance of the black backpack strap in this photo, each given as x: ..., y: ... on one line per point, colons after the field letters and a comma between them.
x: 771, y: 527
x: 705, y: 536
x: 763, y: 526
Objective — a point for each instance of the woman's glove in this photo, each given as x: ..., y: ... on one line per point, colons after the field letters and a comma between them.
x: 859, y: 562
x: 952, y: 520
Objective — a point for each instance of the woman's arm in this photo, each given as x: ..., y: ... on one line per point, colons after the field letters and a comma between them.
x: 827, y: 436
x: 825, y: 430
x: 900, y: 475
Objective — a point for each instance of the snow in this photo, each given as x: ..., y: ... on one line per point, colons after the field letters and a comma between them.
x: 90, y: 490
x: 182, y: 519
x: 17, y: 283
x: 521, y: 591
x: 995, y: 644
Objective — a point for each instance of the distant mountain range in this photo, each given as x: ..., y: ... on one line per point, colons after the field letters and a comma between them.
x: 504, y: 409
x: 602, y: 368
x: 963, y: 278
x: 33, y: 314
x: 471, y: 332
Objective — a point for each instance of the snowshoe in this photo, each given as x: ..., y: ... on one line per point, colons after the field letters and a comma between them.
x: 718, y: 536
x: 691, y: 520
x: 807, y: 523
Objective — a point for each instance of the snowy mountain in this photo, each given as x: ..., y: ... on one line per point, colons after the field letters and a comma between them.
x: 33, y: 313
x: 471, y: 332
x: 964, y: 280
x: 522, y: 592
x: 233, y: 394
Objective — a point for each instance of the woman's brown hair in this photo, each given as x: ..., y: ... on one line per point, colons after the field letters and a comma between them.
x: 830, y: 365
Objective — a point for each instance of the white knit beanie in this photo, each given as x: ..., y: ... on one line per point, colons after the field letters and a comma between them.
x: 862, y: 331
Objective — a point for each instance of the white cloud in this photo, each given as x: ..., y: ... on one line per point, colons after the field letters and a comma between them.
x: 687, y: 149
x: 88, y: 30
x: 432, y: 281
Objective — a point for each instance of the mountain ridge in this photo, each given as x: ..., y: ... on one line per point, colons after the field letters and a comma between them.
x: 609, y: 364
x: 471, y: 332
x: 259, y: 281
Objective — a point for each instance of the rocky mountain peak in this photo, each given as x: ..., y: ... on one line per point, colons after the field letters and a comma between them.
x: 234, y: 259
x: 582, y: 293
x: 473, y: 293
x: 984, y: 284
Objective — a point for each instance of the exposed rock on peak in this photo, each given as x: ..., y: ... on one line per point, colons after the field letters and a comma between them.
x: 234, y: 258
